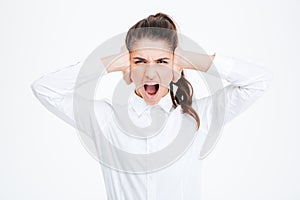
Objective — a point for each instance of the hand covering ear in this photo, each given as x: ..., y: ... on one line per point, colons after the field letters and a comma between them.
x: 119, y: 62
x: 127, y: 76
x: 177, y: 68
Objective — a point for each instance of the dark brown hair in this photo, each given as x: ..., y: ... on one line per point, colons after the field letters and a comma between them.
x: 144, y: 29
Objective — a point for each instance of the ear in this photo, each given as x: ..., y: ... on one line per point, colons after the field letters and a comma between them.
x: 127, y: 76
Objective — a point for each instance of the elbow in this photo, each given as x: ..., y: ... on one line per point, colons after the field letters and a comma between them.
x: 38, y: 89
x: 34, y: 87
x: 261, y: 84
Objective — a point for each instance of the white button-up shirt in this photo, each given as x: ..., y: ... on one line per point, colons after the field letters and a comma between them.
x: 180, y: 180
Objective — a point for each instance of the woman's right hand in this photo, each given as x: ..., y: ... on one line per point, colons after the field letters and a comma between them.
x: 119, y: 62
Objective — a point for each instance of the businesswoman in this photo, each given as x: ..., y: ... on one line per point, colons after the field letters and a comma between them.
x: 154, y: 62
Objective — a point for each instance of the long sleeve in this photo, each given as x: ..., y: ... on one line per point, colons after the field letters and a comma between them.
x: 248, y: 82
x: 55, y: 91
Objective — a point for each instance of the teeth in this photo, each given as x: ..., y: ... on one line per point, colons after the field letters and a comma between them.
x: 151, y: 83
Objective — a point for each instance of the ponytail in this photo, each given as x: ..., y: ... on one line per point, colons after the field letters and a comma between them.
x: 183, y: 97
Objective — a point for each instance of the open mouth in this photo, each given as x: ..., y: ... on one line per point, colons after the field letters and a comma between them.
x: 151, y: 89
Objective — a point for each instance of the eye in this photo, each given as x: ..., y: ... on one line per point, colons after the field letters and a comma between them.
x: 162, y: 61
x: 139, y: 61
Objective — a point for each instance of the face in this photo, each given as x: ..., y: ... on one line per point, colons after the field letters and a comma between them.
x: 151, y: 64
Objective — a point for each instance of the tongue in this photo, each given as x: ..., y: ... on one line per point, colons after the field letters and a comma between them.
x: 150, y: 89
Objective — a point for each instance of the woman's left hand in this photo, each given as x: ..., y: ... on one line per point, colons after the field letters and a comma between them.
x: 178, y: 64
x: 190, y: 60
x: 181, y: 61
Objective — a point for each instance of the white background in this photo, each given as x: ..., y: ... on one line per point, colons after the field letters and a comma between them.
x: 42, y: 157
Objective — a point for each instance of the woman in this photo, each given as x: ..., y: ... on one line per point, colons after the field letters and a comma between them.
x: 155, y: 63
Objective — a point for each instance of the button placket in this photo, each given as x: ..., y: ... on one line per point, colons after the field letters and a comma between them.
x: 151, y: 194
x: 147, y: 174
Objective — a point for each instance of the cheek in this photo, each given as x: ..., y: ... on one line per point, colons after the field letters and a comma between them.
x: 136, y: 75
x: 166, y: 75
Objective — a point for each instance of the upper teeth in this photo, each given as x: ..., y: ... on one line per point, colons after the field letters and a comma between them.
x: 151, y: 83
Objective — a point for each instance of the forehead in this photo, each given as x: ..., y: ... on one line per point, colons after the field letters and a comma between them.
x: 152, y: 48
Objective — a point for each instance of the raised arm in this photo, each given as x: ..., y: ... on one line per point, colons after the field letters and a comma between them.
x: 248, y: 82
x: 55, y: 91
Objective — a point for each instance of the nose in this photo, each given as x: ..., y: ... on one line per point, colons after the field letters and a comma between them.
x: 150, y: 72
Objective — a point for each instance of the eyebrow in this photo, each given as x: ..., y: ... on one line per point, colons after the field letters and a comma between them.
x: 165, y: 58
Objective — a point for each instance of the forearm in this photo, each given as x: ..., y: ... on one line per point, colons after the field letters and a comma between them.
x: 57, y: 83
x: 56, y: 91
x: 110, y: 63
x: 54, y: 87
x: 61, y: 82
x: 240, y: 72
x: 248, y: 82
x: 116, y: 62
x: 195, y: 61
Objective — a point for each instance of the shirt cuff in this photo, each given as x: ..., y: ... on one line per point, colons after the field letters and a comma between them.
x: 221, y: 66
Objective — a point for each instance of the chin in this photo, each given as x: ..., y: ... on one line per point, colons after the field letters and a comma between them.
x: 152, y: 99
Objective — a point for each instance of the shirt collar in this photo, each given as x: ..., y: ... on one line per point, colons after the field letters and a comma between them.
x: 139, y: 105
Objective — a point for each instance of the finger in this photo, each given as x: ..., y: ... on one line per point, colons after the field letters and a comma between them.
x: 126, y: 76
x: 176, y: 73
